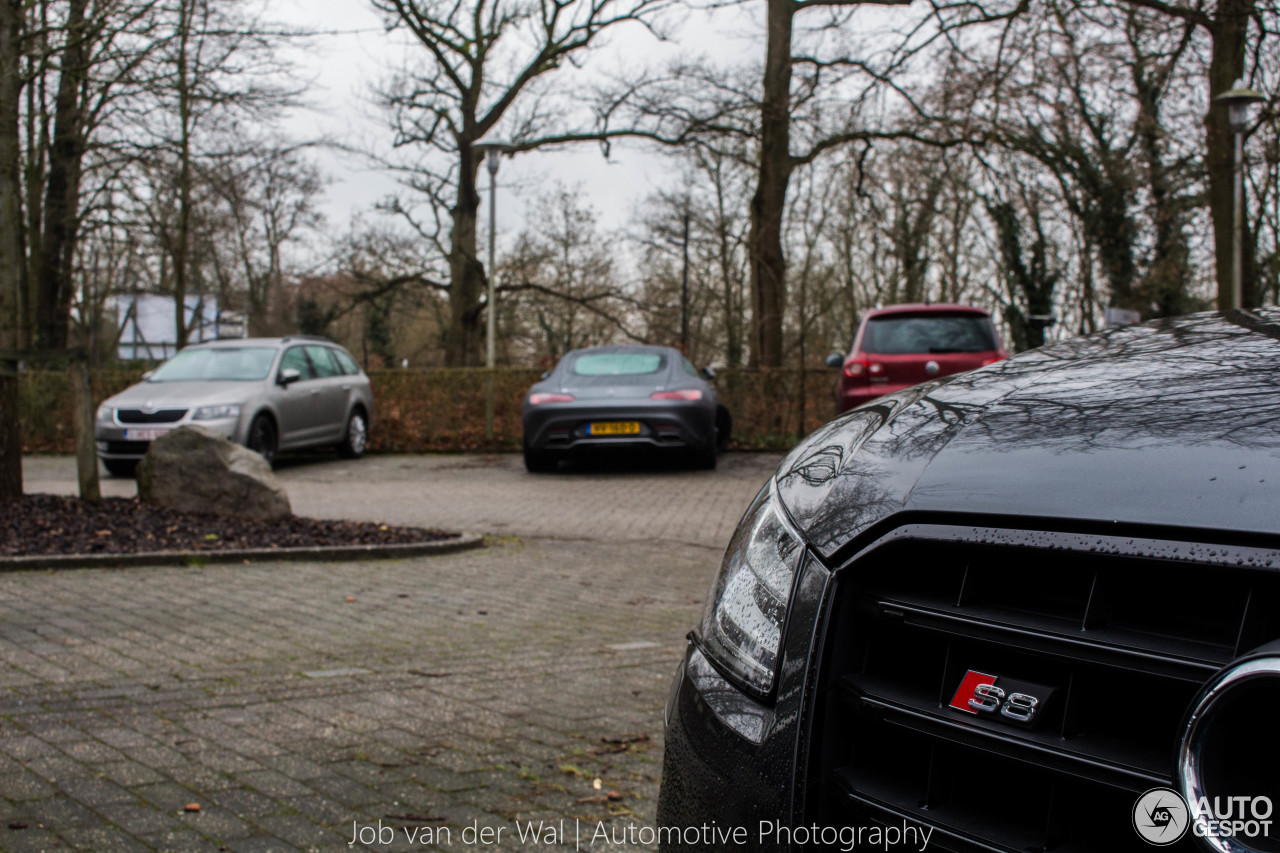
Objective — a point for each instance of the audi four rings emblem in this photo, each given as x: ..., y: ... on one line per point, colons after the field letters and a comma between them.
x: 997, y: 697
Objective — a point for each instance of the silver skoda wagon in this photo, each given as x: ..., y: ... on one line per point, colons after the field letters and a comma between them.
x: 269, y: 394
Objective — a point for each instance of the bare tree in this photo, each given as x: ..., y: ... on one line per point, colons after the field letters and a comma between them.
x: 483, y: 64
x: 1030, y: 272
x: 559, y: 287
x: 219, y: 71
x: 778, y: 162
x: 11, y: 19
x: 270, y: 202
x: 1236, y: 29
x: 101, y: 49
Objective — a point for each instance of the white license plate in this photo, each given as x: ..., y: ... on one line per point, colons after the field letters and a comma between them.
x: 143, y: 434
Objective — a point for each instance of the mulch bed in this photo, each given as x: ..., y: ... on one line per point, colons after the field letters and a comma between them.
x: 44, y: 525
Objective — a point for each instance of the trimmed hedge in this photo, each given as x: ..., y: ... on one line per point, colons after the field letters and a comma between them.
x: 421, y: 411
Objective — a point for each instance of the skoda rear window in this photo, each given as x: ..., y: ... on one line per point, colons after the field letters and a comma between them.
x: 217, y: 364
x: 928, y: 333
x: 617, y: 364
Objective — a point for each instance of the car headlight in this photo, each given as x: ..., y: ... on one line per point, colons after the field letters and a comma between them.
x: 209, y: 413
x: 742, y: 625
x: 106, y: 414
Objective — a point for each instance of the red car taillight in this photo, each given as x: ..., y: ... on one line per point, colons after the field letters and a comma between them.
x: 689, y: 394
x: 862, y: 368
x: 987, y: 361
x: 540, y: 398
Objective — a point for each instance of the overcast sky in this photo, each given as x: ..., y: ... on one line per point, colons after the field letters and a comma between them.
x: 355, y: 53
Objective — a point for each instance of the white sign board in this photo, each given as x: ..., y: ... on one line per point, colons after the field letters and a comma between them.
x: 148, y: 329
x: 1117, y: 317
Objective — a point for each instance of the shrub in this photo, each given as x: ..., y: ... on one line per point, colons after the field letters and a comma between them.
x: 440, y: 410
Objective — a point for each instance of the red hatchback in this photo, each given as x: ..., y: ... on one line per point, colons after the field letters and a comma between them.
x: 904, y: 345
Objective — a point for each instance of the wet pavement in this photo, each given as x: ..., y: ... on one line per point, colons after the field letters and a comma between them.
x: 418, y: 702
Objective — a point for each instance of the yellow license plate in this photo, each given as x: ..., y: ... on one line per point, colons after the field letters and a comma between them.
x: 613, y: 428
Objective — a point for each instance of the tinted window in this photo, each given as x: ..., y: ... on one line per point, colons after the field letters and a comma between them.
x: 217, y: 364
x: 295, y: 358
x: 322, y: 360
x: 617, y: 364
x: 348, y: 363
x: 924, y: 333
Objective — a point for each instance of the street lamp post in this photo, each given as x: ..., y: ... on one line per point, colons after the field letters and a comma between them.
x: 492, y: 151
x: 1237, y: 102
x: 684, y: 289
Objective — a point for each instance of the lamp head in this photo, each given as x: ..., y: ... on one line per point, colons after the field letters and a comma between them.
x: 1238, y: 101
x: 492, y: 151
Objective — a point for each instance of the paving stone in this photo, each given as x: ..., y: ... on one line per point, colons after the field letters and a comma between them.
x: 25, y: 785
x: 181, y: 841
x: 184, y: 684
x: 169, y: 796
x: 140, y: 819
x: 261, y: 844
x: 32, y: 839
x: 216, y: 822
x: 298, y: 830
x: 103, y: 839
x: 55, y: 812
x: 94, y: 792
x: 245, y: 803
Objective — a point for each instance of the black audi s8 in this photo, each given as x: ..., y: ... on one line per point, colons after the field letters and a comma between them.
x: 1032, y: 607
x: 623, y: 397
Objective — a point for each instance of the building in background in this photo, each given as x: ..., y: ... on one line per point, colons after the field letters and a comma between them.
x: 146, y: 323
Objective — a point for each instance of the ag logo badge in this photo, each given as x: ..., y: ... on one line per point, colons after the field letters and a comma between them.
x: 1161, y: 816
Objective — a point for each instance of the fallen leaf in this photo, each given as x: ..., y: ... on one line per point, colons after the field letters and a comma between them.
x: 350, y: 598
x: 192, y: 807
x: 597, y: 784
x: 102, y: 533
x: 18, y: 824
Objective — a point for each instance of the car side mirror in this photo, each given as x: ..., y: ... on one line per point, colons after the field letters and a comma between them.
x: 835, y: 359
x: 546, y: 374
x: 708, y: 373
x: 288, y: 376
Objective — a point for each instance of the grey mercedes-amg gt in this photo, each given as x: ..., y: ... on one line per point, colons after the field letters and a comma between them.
x: 623, y: 397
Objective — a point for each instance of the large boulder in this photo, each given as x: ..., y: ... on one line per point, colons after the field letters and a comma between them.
x: 194, y: 469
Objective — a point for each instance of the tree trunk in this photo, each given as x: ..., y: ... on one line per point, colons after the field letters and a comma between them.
x: 82, y: 412
x: 466, y: 273
x: 62, y: 192
x: 768, y: 263
x: 1226, y: 65
x: 10, y: 248
x: 35, y: 173
x: 182, y: 250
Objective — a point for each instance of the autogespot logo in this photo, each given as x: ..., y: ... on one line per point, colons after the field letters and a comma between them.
x: 1161, y: 816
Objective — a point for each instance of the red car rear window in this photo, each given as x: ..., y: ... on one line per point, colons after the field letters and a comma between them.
x: 925, y: 333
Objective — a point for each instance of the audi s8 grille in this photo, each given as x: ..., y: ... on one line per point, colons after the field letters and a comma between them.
x: 1117, y: 634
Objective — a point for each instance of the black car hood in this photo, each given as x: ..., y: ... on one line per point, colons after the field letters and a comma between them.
x: 1171, y: 423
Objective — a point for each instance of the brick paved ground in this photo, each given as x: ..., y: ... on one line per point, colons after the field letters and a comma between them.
x: 489, y: 689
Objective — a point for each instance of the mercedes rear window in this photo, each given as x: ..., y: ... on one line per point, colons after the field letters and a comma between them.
x: 617, y: 364
x: 216, y: 364
x: 928, y: 333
